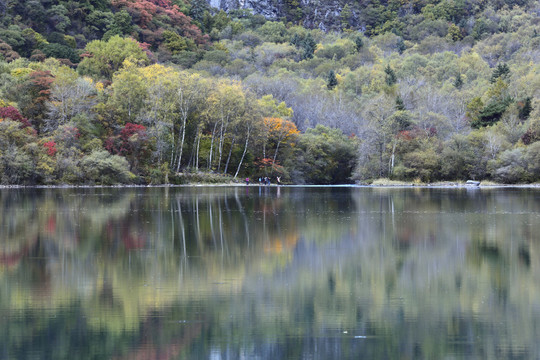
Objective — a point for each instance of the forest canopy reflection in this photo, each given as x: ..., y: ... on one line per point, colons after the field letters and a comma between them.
x: 269, y: 272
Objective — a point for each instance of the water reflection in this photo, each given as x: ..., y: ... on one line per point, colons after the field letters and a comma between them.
x: 269, y: 272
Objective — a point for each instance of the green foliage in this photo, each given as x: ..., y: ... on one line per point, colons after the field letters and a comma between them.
x: 325, y: 156
x: 273, y: 31
x: 60, y: 51
x: 491, y: 113
x: 106, y: 57
x: 100, y: 167
x: 458, y: 83
x: 502, y: 71
x: 331, y: 80
x: 525, y: 108
x: 358, y: 43
x: 390, y: 78
x: 400, y: 105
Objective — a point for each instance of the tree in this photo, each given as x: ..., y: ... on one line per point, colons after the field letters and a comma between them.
x: 458, y: 83
x: 502, y: 71
x: 128, y: 91
x: 325, y: 156
x: 70, y: 95
x: 376, y: 136
x: 400, y: 105
x: 100, y: 167
x: 226, y: 107
x: 345, y: 16
x: 401, y: 47
x: 525, y: 108
x: 390, y: 78
x: 280, y: 131
x: 331, y: 80
x: 308, y: 45
x: 358, y: 43
x: 191, y: 93
x: 103, y: 58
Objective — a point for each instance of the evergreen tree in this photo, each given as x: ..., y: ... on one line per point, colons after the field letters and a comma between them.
x: 526, y: 109
x: 458, y: 83
x: 391, y: 78
x: 501, y: 71
x: 331, y: 80
x: 401, y: 46
x: 358, y: 43
x: 400, y: 106
x: 309, y: 46
x: 345, y: 16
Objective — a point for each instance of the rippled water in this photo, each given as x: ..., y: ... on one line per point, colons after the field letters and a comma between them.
x: 269, y: 273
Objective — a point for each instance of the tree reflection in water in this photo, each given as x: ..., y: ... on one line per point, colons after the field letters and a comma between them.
x: 269, y: 272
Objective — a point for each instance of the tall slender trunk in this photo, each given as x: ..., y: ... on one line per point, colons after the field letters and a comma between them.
x: 275, y: 154
x: 223, y: 131
x: 212, y: 147
x: 230, y: 153
x: 173, y: 152
x: 244, y: 153
x: 184, y: 120
x: 197, y: 154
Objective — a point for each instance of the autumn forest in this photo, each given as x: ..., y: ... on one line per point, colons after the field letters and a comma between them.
x: 175, y: 91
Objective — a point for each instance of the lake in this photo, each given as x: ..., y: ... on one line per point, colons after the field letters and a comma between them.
x: 270, y: 273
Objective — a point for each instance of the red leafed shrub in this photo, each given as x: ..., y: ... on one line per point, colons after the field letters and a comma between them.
x: 12, y: 113
x: 51, y: 148
x: 131, y: 142
x: 131, y: 129
x: 267, y: 165
x: 41, y: 81
x: 125, y: 143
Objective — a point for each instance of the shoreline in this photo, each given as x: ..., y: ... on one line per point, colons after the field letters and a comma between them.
x: 381, y: 186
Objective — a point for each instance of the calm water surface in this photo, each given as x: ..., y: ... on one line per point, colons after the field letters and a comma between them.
x: 269, y: 273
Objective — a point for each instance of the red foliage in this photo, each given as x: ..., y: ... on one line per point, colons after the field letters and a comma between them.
x: 416, y: 133
x: 131, y: 129
x: 144, y: 46
x: 406, y: 135
x: 86, y: 55
x: 530, y: 136
x: 268, y: 165
x: 41, y: 81
x: 121, y: 145
x: 51, y: 148
x: 12, y: 113
x: 144, y: 11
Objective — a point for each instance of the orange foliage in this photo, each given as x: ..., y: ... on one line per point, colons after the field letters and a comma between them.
x: 280, y: 129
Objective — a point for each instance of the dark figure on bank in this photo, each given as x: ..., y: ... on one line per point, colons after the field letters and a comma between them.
x: 247, y: 181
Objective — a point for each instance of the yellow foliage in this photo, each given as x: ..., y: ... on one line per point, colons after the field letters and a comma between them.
x: 100, y: 87
x: 21, y: 72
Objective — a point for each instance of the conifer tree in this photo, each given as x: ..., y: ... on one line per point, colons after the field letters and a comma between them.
x: 391, y: 78
x: 358, y: 43
x: 458, y: 83
x: 331, y: 80
x: 309, y: 46
x: 501, y: 71
x: 400, y: 106
x: 526, y: 109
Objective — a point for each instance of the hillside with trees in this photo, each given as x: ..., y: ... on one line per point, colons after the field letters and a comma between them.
x: 161, y: 91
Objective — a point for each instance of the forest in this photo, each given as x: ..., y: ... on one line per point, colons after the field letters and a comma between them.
x: 174, y: 91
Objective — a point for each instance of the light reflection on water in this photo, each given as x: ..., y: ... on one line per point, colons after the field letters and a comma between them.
x: 268, y: 272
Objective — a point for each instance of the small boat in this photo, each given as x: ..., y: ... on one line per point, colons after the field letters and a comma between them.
x: 473, y: 183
